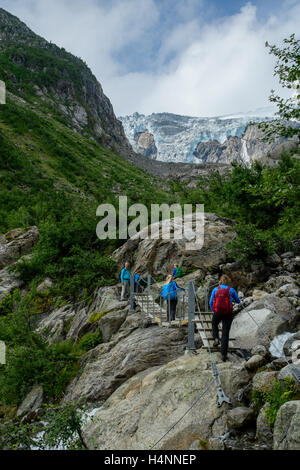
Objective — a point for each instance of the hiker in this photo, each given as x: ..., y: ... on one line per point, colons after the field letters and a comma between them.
x: 125, y: 280
x: 221, y: 304
x: 137, y: 278
x: 175, y: 266
x: 169, y: 293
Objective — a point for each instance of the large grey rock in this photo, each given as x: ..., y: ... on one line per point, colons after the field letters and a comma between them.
x: 260, y: 350
x: 288, y: 290
x: 259, y: 294
x: 263, y: 319
x: 239, y: 417
x: 110, y: 323
x: 156, y: 256
x: 275, y: 282
x: 109, y: 365
x: 32, y: 402
x: 292, y: 344
x: 291, y: 371
x: 264, y: 381
x: 72, y: 320
x: 287, y: 427
x: 9, y: 281
x: 254, y: 362
x: 17, y: 243
x: 264, y: 432
x: 54, y: 325
x: 141, y: 411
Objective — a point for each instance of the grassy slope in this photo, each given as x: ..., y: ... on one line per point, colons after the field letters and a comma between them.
x: 55, y: 178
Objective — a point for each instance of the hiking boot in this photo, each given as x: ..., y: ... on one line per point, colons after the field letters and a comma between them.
x: 224, y: 358
x: 216, y: 343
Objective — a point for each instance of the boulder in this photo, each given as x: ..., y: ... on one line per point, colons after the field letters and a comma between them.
x: 289, y: 265
x: 44, y: 286
x: 292, y: 371
x: 287, y: 427
x: 146, y: 406
x: 259, y: 294
x: 288, y: 290
x: 54, y: 325
x: 287, y: 255
x: 263, y: 319
x: 72, y: 320
x: 264, y: 432
x: 260, y: 350
x: 9, y: 281
x: 275, y: 282
x: 111, y: 322
x: 254, y: 362
x: 156, y: 256
x: 292, y: 344
x: 109, y: 365
x: 239, y: 417
x: 273, y: 260
x: 32, y: 402
x: 17, y: 243
x: 264, y: 381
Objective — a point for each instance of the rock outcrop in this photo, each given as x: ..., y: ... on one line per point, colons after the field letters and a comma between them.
x: 17, y: 243
x: 287, y: 427
x: 143, y: 409
x: 13, y: 246
x: 145, y: 144
x: 263, y: 319
x: 31, y: 403
x: 156, y: 256
x: 108, y: 365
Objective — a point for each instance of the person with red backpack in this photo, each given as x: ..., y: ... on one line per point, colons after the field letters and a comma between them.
x: 221, y: 304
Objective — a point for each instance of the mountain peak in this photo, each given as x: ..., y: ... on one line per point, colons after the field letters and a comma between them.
x: 13, y: 29
x: 59, y: 84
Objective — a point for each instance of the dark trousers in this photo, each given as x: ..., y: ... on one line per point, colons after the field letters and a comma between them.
x: 171, y: 309
x: 226, y: 324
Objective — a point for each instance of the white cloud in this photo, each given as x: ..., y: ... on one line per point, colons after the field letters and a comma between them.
x: 213, y: 68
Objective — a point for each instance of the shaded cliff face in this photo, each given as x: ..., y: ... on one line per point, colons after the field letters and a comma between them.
x: 56, y: 82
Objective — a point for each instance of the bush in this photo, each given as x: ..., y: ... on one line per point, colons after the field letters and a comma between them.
x: 30, y: 359
x: 89, y: 341
x: 276, y: 397
x: 251, y: 244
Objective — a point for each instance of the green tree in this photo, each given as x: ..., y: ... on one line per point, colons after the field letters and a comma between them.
x: 287, y: 68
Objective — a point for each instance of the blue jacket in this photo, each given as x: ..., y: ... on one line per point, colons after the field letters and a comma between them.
x: 125, y: 275
x: 173, y: 289
x: 232, y: 292
x: 136, y: 278
x: 174, y: 272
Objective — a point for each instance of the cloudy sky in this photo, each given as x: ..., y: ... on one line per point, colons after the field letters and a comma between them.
x: 192, y: 57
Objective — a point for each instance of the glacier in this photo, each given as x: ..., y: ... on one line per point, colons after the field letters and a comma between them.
x: 176, y: 137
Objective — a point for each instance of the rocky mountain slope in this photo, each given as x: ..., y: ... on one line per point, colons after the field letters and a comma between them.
x: 221, y: 140
x: 55, y: 81
x: 139, y: 380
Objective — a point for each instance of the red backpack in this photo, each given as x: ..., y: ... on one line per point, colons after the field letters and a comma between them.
x: 221, y: 302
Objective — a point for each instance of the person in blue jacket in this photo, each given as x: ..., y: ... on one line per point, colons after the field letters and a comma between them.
x: 137, y: 278
x: 169, y: 293
x: 175, y: 266
x: 125, y: 280
x: 226, y: 315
